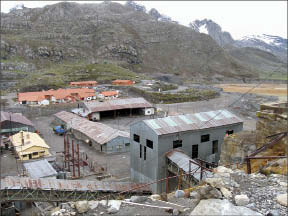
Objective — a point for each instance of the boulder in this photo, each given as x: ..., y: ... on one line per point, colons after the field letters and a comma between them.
x: 179, y: 194
x: 155, y: 197
x: 116, y: 204
x: 82, y: 206
x: 221, y: 207
x: 222, y: 169
x: 226, y: 193
x: 93, y: 204
x: 209, y: 192
x: 273, y: 213
x: 241, y: 200
x: 282, y: 199
x: 215, y: 182
x: 138, y: 199
x: 175, y: 212
x: 195, y: 195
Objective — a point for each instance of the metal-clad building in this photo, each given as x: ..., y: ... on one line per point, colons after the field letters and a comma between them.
x: 40, y: 169
x: 199, y: 135
x: 98, y: 135
x: 96, y: 110
x: 12, y: 123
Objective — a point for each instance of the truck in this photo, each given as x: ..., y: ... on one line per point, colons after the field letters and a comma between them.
x: 60, y: 130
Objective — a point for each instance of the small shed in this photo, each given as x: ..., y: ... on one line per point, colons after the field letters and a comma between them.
x: 40, y: 169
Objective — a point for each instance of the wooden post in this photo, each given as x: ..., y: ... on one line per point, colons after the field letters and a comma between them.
x: 180, y: 179
x: 201, y: 171
x: 189, y: 176
x: 73, y: 159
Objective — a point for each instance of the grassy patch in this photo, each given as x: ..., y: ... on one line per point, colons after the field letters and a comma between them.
x: 168, y: 98
x: 60, y: 75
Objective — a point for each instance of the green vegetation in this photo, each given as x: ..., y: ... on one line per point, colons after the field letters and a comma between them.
x: 164, y: 86
x: 188, y: 95
x: 59, y: 75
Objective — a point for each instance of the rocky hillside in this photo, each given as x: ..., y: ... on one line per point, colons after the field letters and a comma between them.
x: 70, y: 33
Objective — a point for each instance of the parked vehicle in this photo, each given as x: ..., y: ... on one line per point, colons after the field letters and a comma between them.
x: 60, y: 130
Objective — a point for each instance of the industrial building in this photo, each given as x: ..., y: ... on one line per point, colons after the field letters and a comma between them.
x: 11, y: 123
x: 199, y: 135
x: 102, y: 137
x: 95, y: 111
x: 40, y: 169
x: 108, y: 95
x: 28, y: 145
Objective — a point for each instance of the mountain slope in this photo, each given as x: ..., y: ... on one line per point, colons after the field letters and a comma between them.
x: 90, y: 33
x: 274, y: 44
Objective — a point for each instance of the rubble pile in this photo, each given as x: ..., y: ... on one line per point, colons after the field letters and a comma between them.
x: 227, y: 192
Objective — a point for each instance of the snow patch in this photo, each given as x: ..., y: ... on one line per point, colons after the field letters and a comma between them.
x: 203, y: 29
x: 268, y: 39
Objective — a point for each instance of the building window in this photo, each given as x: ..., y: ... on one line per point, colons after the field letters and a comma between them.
x: 149, y: 143
x: 140, y: 146
x: 24, y: 155
x: 35, y: 153
x: 228, y: 132
x: 194, y: 151
x: 205, y: 138
x: 215, y: 147
x: 127, y: 144
x: 144, y: 152
x: 177, y: 143
x: 136, y: 138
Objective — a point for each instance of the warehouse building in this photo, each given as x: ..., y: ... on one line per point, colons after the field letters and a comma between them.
x: 95, y: 111
x: 29, y: 146
x: 11, y: 123
x: 123, y: 82
x: 102, y: 137
x: 198, y: 135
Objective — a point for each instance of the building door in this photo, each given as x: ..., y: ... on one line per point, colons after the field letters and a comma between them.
x: 30, y: 156
x: 194, y: 151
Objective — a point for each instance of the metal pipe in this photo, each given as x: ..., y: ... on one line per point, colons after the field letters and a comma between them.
x: 73, y: 159
x: 78, y: 159
x: 64, y: 165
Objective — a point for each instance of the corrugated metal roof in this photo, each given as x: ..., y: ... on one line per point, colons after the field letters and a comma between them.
x: 15, y: 117
x: 203, y: 120
x: 40, y: 169
x: 99, y: 132
x: 13, y: 182
x: 182, y: 161
x: 117, y: 104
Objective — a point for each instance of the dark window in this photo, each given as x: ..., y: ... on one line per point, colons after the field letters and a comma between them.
x: 144, y: 152
x: 24, y: 156
x: 140, y: 146
x: 35, y: 153
x: 177, y: 143
x: 127, y: 144
x: 229, y: 132
x: 205, y: 138
x: 136, y: 138
x: 215, y: 147
x: 194, y: 151
x: 149, y: 143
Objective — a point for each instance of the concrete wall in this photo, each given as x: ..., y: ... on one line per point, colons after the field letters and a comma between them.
x: 118, y: 144
x: 149, y: 111
x: 141, y: 170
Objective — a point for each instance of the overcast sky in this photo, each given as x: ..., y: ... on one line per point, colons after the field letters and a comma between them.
x: 240, y: 18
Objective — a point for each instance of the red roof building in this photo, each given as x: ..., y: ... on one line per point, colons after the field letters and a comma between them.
x: 84, y: 83
x: 123, y: 82
x: 59, y: 95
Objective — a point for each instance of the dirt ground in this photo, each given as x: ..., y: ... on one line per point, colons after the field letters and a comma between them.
x: 279, y: 90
